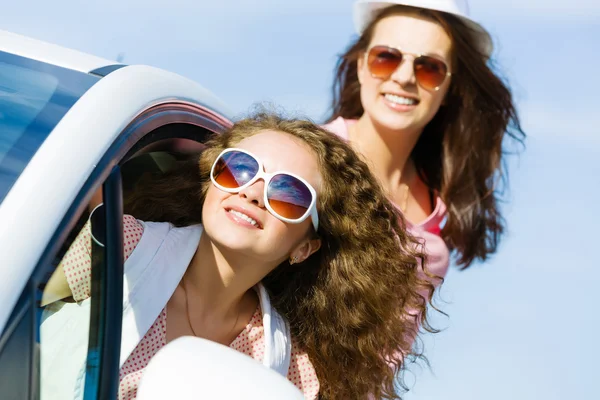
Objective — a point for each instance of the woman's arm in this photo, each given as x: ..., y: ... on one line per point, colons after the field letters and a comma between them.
x: 56, y: 288
x: 73, y: 275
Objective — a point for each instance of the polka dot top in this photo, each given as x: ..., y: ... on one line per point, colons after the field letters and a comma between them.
x: 77, y: 268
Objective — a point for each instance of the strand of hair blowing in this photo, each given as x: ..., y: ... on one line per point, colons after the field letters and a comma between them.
x: 347, y: 304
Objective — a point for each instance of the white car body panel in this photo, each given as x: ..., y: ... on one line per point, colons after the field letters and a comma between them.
x: 173, y: 373
x: 50, y: 53
x: 34, y: 207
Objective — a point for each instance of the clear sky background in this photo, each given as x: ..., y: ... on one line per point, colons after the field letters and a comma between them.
x: 521, y: 326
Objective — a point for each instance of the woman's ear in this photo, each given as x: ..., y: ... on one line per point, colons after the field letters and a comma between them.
x: 447, y: 94
x: 304, y: 250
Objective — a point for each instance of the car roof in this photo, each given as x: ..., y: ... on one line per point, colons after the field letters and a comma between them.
x: 140, y: 87
x: 50, y: 53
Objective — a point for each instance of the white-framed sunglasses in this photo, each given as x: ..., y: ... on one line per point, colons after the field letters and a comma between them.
x: 287, y: 196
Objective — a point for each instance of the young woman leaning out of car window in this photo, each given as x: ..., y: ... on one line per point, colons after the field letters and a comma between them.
x: 276, y: 216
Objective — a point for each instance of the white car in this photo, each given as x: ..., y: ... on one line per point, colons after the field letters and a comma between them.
x: 70, y: 124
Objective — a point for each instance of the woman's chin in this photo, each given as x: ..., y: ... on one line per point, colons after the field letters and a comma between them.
x: 232, y: 239
x: 394, y: 123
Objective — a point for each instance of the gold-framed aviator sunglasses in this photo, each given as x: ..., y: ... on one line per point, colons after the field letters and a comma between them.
x: 383, y: 61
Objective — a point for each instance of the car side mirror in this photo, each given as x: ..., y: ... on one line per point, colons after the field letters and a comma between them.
x: 194, y: 368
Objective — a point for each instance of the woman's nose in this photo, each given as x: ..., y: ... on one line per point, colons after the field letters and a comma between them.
x: 405, y: 74
x: 254, y: 193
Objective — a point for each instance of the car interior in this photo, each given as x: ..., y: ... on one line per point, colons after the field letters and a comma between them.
x: 184, y: 142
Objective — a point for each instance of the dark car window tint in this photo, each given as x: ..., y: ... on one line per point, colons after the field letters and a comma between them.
x: 34, y: 96
x: 23, y: 94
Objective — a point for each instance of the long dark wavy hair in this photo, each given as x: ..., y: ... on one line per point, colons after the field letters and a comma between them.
x: 352, y: 306
x: 459, y: 154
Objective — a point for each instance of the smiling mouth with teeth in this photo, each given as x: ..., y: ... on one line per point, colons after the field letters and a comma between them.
x: 405, y: 101
x: 245, y: 218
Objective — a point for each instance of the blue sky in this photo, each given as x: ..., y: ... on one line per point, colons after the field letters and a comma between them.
x: 521, y: 326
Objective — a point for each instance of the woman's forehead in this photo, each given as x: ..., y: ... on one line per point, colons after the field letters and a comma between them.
x: 279, y: 151
x: 413, y: 33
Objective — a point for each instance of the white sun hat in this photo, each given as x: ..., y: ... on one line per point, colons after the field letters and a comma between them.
x: 366, y: 10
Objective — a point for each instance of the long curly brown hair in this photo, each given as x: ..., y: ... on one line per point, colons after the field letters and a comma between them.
x: 459, y: 154
x: 348, y: 304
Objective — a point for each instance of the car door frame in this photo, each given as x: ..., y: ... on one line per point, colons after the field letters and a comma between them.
x: 131, y: 139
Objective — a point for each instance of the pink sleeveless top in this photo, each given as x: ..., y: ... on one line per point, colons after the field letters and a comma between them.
x: 438, y: 255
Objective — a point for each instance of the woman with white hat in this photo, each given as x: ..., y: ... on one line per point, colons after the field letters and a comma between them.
x: 416, y: 96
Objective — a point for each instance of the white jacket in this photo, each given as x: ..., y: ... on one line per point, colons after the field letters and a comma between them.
x: 152, y: 274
